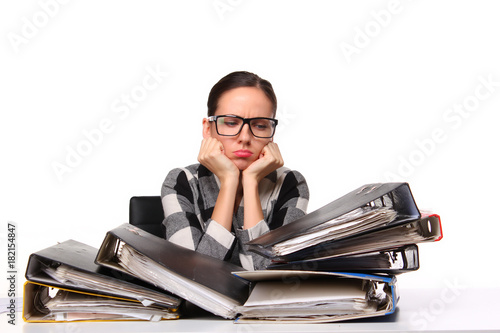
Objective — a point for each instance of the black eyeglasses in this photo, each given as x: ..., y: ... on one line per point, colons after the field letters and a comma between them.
x: 231, y: 125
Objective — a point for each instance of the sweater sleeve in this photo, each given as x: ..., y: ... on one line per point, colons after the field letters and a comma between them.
x: 290, y: 205
x: 183, y: 224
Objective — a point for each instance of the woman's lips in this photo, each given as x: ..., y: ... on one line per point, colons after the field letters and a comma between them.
x: 243, y: 153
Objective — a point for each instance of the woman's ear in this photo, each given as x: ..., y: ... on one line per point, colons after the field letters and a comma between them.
x: 206, y: 129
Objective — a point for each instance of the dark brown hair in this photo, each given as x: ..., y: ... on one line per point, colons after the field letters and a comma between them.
x: 237, y: 80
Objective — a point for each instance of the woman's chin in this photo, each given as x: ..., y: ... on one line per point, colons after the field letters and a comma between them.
x: 242, y: 164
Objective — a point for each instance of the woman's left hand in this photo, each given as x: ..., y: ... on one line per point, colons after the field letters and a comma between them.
x: 269, y: 160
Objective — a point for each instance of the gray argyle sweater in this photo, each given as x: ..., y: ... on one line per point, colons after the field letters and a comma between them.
x: 189, y: 195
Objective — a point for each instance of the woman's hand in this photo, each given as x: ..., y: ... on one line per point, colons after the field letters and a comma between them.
x: 269, y: 160
x: 213, y: 158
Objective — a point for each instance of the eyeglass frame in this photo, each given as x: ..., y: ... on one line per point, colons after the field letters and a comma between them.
x: 245, y: 121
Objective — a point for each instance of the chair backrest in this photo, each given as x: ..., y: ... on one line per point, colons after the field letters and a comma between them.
x: 146, y: 212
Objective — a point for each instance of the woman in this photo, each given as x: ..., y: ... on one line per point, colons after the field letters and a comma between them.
x: 240, y: 189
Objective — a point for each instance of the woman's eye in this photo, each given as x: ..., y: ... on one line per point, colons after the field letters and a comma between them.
x: 260, y: 126
x: 228, y: 121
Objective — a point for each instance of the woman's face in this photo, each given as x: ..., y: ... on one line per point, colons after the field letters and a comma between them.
x: 246, y: 102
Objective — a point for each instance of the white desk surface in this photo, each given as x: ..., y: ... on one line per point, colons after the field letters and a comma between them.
x: 418, y: 310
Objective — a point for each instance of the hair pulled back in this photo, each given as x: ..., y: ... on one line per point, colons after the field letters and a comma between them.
x: 237, y: 80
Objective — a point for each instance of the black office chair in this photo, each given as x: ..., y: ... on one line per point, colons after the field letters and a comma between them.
x: 146, y: 212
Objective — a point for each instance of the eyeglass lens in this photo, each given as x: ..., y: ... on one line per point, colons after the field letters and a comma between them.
x: 263, y: 128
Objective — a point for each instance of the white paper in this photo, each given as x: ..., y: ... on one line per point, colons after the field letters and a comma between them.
x: 310, y: 291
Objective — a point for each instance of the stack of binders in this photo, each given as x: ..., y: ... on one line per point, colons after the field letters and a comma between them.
x: 64, y: 284
x: 367, y: 236
x: 336, y: 263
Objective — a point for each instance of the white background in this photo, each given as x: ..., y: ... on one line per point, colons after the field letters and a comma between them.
x: 346, y: 119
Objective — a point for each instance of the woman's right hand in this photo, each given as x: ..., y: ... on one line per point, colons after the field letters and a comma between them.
x: 213, y: 158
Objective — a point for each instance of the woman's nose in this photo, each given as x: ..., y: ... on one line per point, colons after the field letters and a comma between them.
x: 245, y: 133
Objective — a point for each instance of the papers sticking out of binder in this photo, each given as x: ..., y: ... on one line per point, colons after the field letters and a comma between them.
x: 65, y: 273
x: 203, y: 280
x: 392, y: 261
x: 352, y: 223
x: 371, y: 218
x: 425, y: 229
x: 307, y: 296
x: 50, y: 304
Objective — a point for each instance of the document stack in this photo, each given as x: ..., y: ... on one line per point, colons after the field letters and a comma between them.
x: 64, y: 284
x: 339, y: 262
